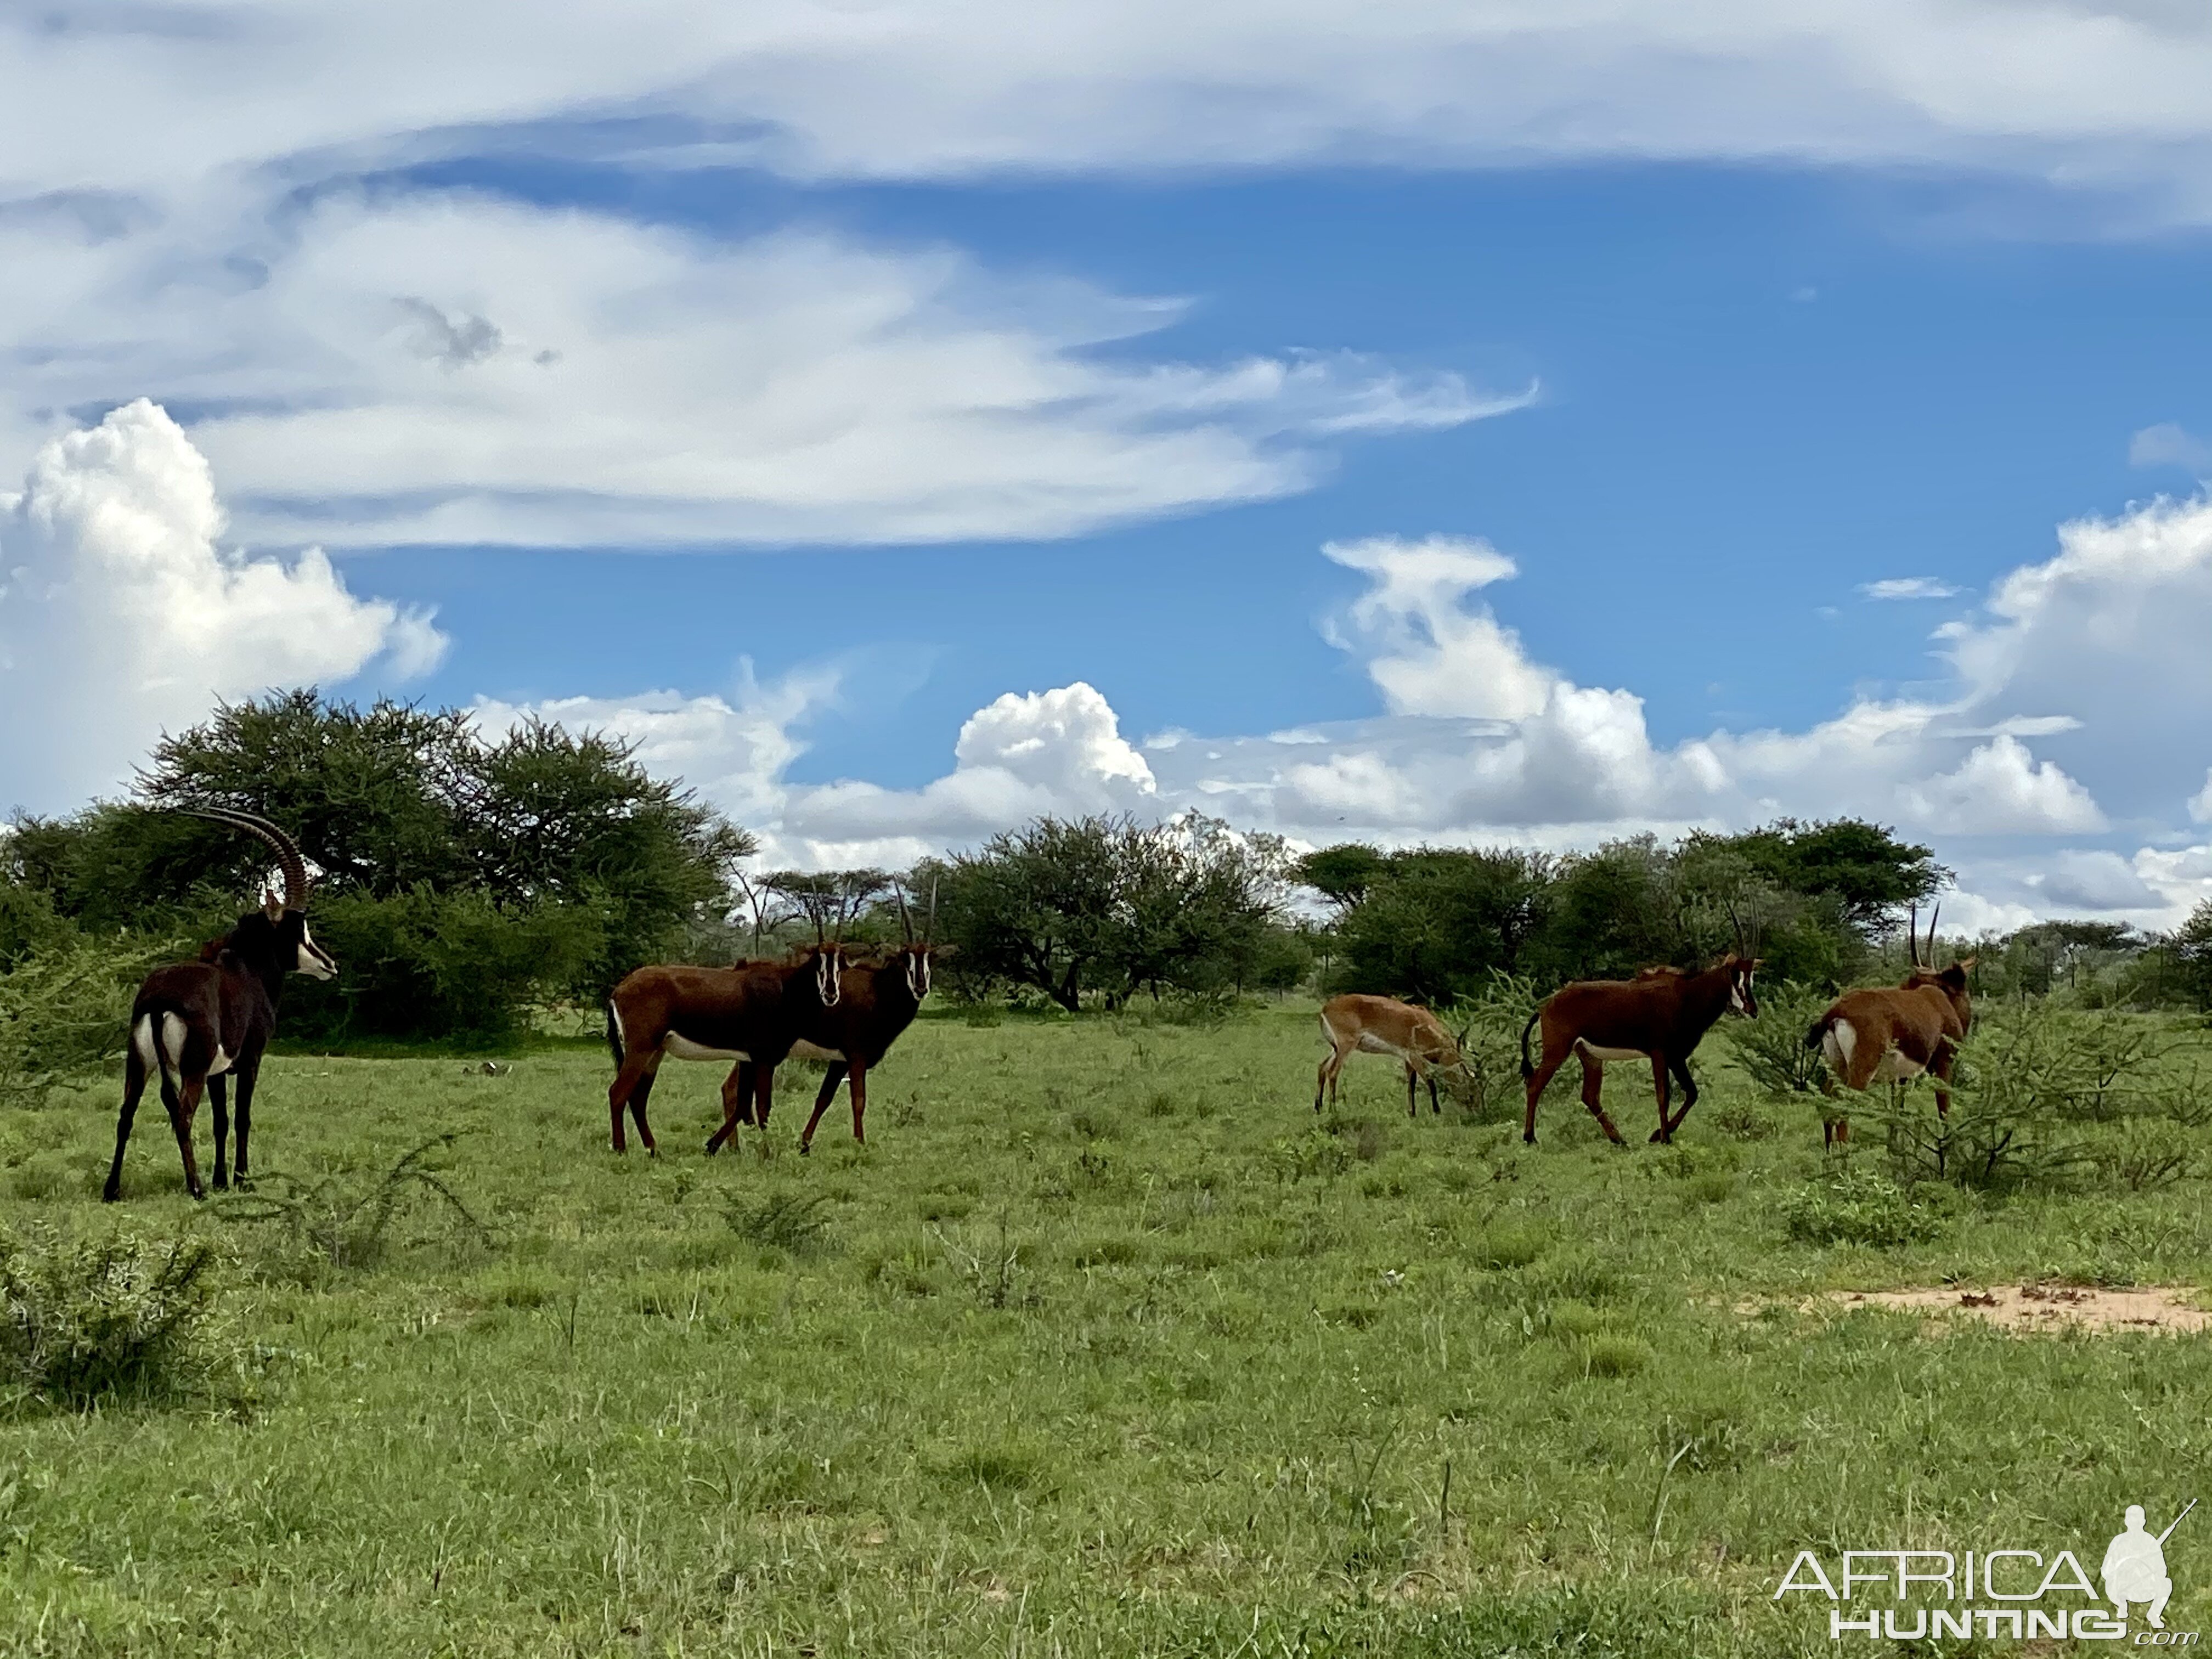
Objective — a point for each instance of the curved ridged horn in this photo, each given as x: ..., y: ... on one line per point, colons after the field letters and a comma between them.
x: 1932, y: 914
x: 1912, y: 932
x: 286, y: 850
x: 905, y: 920
x: 1736, y: 921
x: 929, y: 923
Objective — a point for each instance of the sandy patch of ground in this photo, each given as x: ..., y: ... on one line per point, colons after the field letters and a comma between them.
x: 2038, y: 1307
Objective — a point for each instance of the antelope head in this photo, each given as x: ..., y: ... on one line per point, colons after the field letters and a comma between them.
x: 284, y: 914
x: 1743, y: 964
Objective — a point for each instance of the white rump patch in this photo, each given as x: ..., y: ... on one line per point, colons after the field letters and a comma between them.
x: 142, y: 1042
x: 806, y: 1050
x: 1836, y: 1045
x: 173, y: 1042
x: 220, y: 1064
x: 684, y: 1049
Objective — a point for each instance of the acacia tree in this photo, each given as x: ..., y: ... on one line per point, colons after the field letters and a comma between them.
x: 1105, y: 904
x: 461, y: 873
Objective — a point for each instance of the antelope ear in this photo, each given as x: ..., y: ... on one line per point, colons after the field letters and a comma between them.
x: 1966, y: 962
x: 1756, y: 963
x: 271, y: 906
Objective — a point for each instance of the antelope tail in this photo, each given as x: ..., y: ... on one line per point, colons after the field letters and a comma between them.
x: 1528, y: 1065
x: 1820, y: 1030
x: 614, y: 1033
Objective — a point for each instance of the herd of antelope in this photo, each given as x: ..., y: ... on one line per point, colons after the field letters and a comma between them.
x: 198, y: 1025
x: 1883, y: 1034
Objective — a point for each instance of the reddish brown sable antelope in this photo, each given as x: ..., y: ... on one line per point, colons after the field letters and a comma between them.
x: 1660, y: 1016
x: 200, y: 1023
x: 1380, y: 1025
x: 754, y: 1011
x: 1887, y: 1035
x: 876, y: 1001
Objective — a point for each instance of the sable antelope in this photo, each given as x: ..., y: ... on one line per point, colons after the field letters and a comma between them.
x: 1382, y: 1025
x: 754, y: 1011
x: 1886, y: 1034
x: 1661, y: 1015
x: 200, y: 1023
x: 876, y: 1001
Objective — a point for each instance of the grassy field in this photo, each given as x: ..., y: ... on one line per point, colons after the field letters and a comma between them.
x: 1104, y: 1345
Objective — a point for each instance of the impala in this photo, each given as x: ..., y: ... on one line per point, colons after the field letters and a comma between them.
x: 1412, y: 1036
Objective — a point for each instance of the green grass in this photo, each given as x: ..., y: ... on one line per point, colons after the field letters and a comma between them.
x: 1104, y: 1345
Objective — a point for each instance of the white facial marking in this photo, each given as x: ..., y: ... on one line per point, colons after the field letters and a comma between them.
x: 314, y: 962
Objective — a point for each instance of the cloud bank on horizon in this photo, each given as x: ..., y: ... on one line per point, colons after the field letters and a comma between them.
x: 124, y: 614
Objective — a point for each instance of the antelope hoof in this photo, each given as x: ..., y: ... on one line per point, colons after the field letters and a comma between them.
x: 804, y: 1147
x: 110, y: 1194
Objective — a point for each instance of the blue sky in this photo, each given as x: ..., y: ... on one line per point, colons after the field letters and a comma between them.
x: 811, y: 400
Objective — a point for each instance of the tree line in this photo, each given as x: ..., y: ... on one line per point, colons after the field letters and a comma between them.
x: 466, y: 878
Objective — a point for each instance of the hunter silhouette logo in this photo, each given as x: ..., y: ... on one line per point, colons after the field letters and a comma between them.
x: 1915, y: 1594
x: 2135, y: 1566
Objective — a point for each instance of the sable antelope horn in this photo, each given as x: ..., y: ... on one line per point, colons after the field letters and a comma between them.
x: 905, y: 920
x: 286, y: 850
x: 1932, y: 914
x: 929, y: 923
x: 1912, y: 932
x: 1736, y: 921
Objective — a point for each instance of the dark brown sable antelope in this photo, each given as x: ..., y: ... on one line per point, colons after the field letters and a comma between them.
x: 1888, y: 1034
x: 754, y: 1011
x: 1660, y: 1016
x: 200, y: 1024
x: 877, y: 1000
x: 1381, y: 1025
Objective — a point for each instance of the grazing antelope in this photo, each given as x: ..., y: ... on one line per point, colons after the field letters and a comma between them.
x: 1414, y: 1036
x: 1661, y: 1015
x: 876, y: 1001
x: 200, y: 1024
x: 1888, y: 1034
x: 754, y: 1011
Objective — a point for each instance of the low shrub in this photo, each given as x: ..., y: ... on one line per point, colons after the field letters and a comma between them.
x: 1858, y: 1207
x: 83, y: 1320
x: 345, y: 1221
x: 782, y: 1221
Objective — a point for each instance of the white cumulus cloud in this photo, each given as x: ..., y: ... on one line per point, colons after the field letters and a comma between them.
x: 122, y: 613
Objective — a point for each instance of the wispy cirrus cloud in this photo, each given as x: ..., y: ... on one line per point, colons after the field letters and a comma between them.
x: 2169, y: 445
x: 453, y: 368
x: 1909, y: 588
